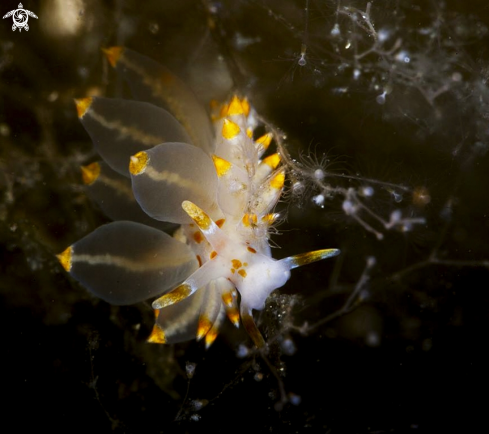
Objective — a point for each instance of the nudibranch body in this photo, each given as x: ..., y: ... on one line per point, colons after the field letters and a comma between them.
x: 164, y: 163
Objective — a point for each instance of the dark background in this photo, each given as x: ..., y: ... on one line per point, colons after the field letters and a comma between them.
x: 409, y: 358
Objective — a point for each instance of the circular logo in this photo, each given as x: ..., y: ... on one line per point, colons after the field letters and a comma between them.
x: 20, y: 17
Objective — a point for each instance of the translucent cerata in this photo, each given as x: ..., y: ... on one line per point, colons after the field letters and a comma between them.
x: 167, y: 161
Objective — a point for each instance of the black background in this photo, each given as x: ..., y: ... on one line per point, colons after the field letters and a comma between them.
x: 410, y: 358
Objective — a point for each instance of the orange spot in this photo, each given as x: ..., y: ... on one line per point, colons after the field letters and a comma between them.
x: 269, y: 218
x: 272, y: 161
x: 213, y: 254
x: 113, y: 54
x: 233, y: 270
x: 230, y: 129
x: 198, y: 237
x: 220, y: 222
x: 251, y: 249
x: 199, y: 260
x: 242, y: 273
x: 138, y: 163
x: 249, y: 219
x: 82, y: 105
x: 65, y: 258
x: 236, y: 263
x: 157, y: 335
x: 246, y: 106
x: 222, y: 166
x: 249, y: 132
x: 277, y: 182
x: 157, y: 313
x: 245, y: 264
x: 227, y: 298
x: 264, y: 141
x: 90, y: 173
x: 235, y: 107
x: 210, y: 337
x: 203, y: 327
x: 233, y: 316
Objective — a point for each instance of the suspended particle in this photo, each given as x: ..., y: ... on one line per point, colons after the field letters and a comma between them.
x: 288, y: 347
x: 406, y: 227
x: 153, y: 28
x: 318, y: 200
x: 4, y: 130
x: 198, y: 404
x: 190, y: 369
x: 53, y: 96
x: 383, y: 35
x: 367, y: 191
x: 395, y: 217
x: 242, y: 42
x: 371, y: 261
x: 258, y: 376
x: 421, y: 197
x: 403, y: 56
x: 339, y: 90
x: 242, y: 352
x: 294, y: 399
x: 302, y: 59
x: 380, y: 99
x: 372, y: 339
x: 335, y: 31
x: 349, y: 207
x: 457, y: 77
x: 83, y: 72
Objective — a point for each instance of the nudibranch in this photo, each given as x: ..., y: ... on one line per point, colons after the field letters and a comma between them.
x: 167, y: 161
